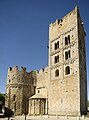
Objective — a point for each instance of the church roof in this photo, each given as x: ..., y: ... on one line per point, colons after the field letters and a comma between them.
x: 38, y: 96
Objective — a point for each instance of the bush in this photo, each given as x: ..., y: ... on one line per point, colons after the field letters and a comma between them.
x: 2, y: 99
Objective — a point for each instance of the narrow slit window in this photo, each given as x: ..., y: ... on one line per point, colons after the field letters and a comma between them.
x: 66, y: 43
x: 14, y: 97
x: 56, y: 59
x: 67, y: 55
x: 67, y: 40
x: 55, y: 46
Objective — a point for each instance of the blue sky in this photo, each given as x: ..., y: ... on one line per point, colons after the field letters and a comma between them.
x: 24, y: 32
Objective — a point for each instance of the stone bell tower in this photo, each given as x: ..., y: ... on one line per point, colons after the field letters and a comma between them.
x: 67, y: 63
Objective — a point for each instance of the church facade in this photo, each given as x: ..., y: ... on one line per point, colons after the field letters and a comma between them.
x: 61, y: 87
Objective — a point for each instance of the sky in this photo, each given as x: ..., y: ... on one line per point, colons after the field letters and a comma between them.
x: 24, y: 26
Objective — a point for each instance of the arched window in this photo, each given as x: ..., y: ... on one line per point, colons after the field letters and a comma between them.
x: 57, y: 73
x: 67, y: 70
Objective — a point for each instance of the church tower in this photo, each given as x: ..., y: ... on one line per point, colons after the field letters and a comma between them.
x: 61, y: 87
x: 67, y: 62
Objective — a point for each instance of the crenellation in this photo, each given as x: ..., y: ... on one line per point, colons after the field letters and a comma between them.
x: 15, y: 68
x: 23, y: 69
x: 9, y: 69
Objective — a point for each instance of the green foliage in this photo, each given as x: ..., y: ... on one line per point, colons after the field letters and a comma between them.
x: 88, y: 103
x: 2, y: 99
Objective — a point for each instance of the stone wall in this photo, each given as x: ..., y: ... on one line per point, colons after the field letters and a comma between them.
x: 82, y: 66
x: 20, y: 86
x: 42, y: 81
x: 64, y: 90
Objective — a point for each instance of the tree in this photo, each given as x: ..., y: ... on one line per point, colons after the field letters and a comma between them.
x: 2, y: 99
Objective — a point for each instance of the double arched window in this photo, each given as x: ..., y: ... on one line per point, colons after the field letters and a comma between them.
x: 56, y: 45
x: 67, y: 54
x: 67, y: 40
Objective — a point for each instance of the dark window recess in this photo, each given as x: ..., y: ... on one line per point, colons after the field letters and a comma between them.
x: 67, y: 70
x: 9, y: 80
x: 34, y: 89
x: 57, y: 59
x: 67, y: 55
x: 38, y: 91
x: 57, y: 45
x: 61, y: 20
x: 57, y: 73
x: 67, y: 40
x: 14, y: 97
x: 66, y: 43
x: 15, y: 106
x: 10, y: 68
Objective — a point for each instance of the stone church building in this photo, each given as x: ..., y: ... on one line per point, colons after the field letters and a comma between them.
x: 61, y: 87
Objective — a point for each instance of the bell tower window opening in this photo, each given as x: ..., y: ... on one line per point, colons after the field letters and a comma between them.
x: 56, y: 45
x: 67, y: 40
x: 57, y: 73
x: 67, y: 70
x: 56, y: 59
x: 67, y: 55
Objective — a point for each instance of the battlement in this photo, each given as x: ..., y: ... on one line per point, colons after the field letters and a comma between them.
x: 15, y: 68
x: 12, y: 68
x: 16, y: 76
x: 62, y: 26
x: 43, y: 70
x: 59, y: 22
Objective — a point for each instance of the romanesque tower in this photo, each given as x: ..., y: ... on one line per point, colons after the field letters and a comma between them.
x: 67, y: 64
x: 20, y: 86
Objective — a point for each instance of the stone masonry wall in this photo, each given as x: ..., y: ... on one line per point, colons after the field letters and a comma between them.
x: 64, y: 89
x: 20, y: 86
x: 82, y: 66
